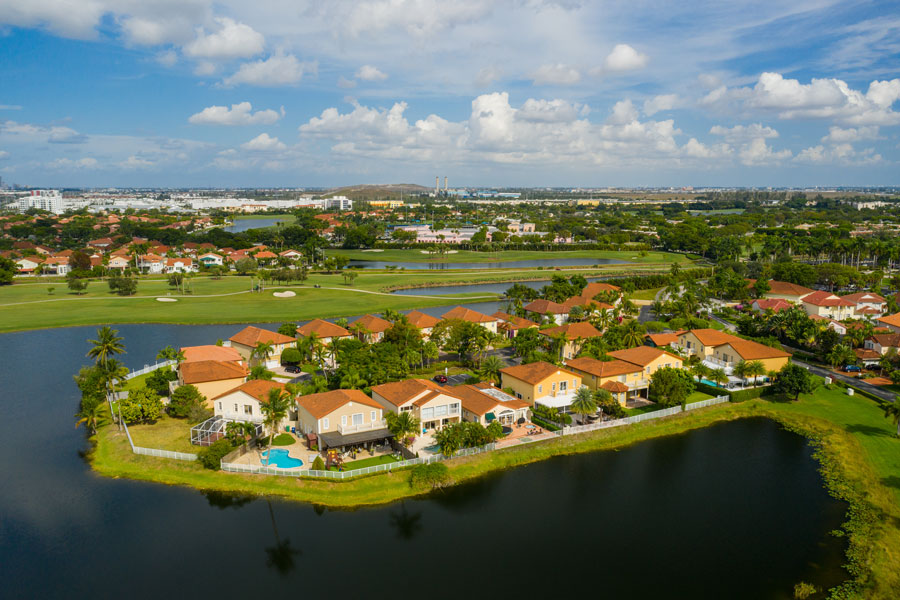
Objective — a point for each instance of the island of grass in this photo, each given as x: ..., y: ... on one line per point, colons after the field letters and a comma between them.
x: 421, y: 255
x: 856, y: 446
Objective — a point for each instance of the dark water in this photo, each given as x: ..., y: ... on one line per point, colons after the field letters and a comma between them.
x: 245, y: 224
x: 509, y: 264
x: 494, y: 288
x: 732, y: 511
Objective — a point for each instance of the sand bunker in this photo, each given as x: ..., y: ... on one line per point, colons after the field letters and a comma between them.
x: 167, y: 299
x: 284, y: 294
x: 374, y: 250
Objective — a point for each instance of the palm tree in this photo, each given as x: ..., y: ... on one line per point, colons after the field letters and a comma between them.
x: 755, y: 368
x: 431, y: 351
x: 170, y: 353
x: 352, y: 380
x: 700, y: 371
x: 740, y: 370
x: 719, y: 376
x: 107, y: 345
x: 93, y: 418
x: 840, y: 354
x: 275, y: 410
x: 490, y: 369
x: 633, y: 334
x: 403, y: 425
x: 113, y: 372
x: 262, y: 351
x: 583, y: 403
x: 892, y: 412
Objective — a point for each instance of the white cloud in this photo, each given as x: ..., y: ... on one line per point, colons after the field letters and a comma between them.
x: 264, y: 143
x: 740, y: 133
x: 622, y: 113
x: 205, y: 69
x: 838, y: 135
x: 555, y: 74
x: 277, y: 70
x: 238, y: 114
x: 549, y: 111
x: 345, y: 83
x: 10, y: 107
x: 69, y: 164
x: 487, y: 76
x: 370, y: 73
x: 167, y: 58
x: 837, y: 154
x: 660, y: 103
x: 4, y: 154
x: 232, y: 40
x: 757, y: 153
x: 419, y: 18
x: 820, y: 99
x: 625, y: 58
x: 135, y: 162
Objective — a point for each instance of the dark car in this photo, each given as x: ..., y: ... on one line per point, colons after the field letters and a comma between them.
x: 852, y: 369
x: 292, y: 369
x: 440, y: 378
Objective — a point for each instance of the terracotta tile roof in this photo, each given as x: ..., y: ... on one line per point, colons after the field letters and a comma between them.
x: 171, y: 262
x: 891, y: 320
x: 399, y: 393
x: 616, y: 387
x: 783, y: 288
x: 480, y: 403
x: 711, y: 337
x: 371, y: 324
x: 865, y: 297
x: 664, y: 339
x: 826, y: 299
x: 592, y: 289
x: 322, y: 329
x: 210, y: 352
x: 265, y: 255
x: 865, y: 354
x: 641, y: 355
x: 889, y: 340
x: 210, y: 370
x: 467, y: 314
x: 867, y: 310
x: 257, y: 388
x: 543, y: 307
x: 749, y: 350
x: 513, y: 321
x: 774, y: 305
x: 600, y: 368
x: 421, y: 320
x: 573, y: 331
x: 322, y: 405
x: 534, y: 373
x: 250, y: 336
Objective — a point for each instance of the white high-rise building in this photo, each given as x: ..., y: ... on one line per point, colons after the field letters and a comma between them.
x: 339, y: 202
x: 49, y: 200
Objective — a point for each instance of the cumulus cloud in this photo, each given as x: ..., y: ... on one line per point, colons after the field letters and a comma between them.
x: 550, y: 111
x: 419, y: 18
x: 69, y: 164
x: 622, y: 113
x: 555, y: 74
x: 820, y: 99
x: 740, y: 133
x: 232, y: 40
x: 624, y: 58
x: 277, y: 70
x: 839, y: 154
x: 167, y: 58
x: 264, y: 143
x: 757, y: 152
x: 660, y: 103
x: 238, y: 114
x: 135, y: 162
x: 838, y: 135
x: 370, y: 73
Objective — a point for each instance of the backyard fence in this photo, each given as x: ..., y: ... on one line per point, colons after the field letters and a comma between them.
x: 149, y: 368
x: 656, y: 414
x: 261, y: 470
x: 156, y: 451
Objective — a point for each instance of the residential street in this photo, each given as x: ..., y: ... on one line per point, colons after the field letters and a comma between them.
x: 860, y: 383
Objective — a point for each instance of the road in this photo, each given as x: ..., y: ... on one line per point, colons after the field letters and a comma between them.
x: 860, y: 383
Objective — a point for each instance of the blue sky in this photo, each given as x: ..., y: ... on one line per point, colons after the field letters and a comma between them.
x: 504, y: 93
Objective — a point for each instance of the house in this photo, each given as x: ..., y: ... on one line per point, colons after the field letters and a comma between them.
x: 119, y: 262
x: 883, y: 343
x: 28, y: 264
x: 472, y: 316
x: 835, y: 326
x: 246, y: 340
x: 179, y: 265
x: 659, y: 340
x: 212, y: 378
x: 622, y: 379
x: 510, y: 325
x: 243, y: 403
x: 211, y: 352
x: 762, y: 305
x: 868, y: 304
x: 265, y: 257
x: 101, y: 244
x: 607, y: 289
x: 868, y: 358
x: 541, y: 383
x: 574, y: 334
x: 324, y: 331
x: 423, y: 322
x: 369, y: 328
x: 151, y: 263
x: 433, y: 405
x: 721, y: 350
x: 826, y: 304
x: 586, y: 303
x: 342, y: 418
x: 483, y: 403
x: 649, y: 359
x: 784, y: 290
x: 557, y: 313
x: 211, y: 259
x: 291, y: 254
x: 56, y: 265
x: 892, y: 322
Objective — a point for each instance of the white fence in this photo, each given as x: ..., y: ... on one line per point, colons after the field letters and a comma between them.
x: 261, y: 470
x: 656, y: 414
x: 155, y: 451
x: 149, y: 368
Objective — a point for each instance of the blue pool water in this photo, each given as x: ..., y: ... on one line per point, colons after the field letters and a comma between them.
x: 708, y: 382
x: 280, y: 459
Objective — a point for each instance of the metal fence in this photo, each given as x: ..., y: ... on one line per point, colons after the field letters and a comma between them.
x: 261, y: 470
x: 149, y: 368
x: 656, y: 414
x: 155, y: 451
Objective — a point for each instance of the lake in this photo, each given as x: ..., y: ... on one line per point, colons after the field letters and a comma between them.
x: 492, y: 288
x: 509, y: 264
x: 736, y: 510
x: 243, y: 224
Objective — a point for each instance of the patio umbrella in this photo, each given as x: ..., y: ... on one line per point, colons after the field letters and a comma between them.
x: 521, y: 421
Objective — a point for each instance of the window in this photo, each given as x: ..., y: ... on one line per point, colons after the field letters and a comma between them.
x: 358, y: 419
x: 248, y: 409
x: 235, y: 408
x: 562, y: 387
x: 574, y: 383
x: 344, y: 420
x: 518, y: 395
x: 552, y: 388
x: 220, y: 407
x: 540, y: 389
x: 648, y: 370
x: 622, y: 378
x: 440, y: 411
x: 372, y: 414
x: 454, y: 409
x: 427, y: 413
x: 325, y: 423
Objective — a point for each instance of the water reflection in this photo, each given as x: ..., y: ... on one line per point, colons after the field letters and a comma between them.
x: 280, y: 556
x: 406, y: 524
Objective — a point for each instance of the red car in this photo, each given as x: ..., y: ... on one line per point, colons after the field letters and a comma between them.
x: 440, y: 378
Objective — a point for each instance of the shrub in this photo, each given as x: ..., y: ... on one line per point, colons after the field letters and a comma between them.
x: 545, y: 424
x: 211, y: 456
x: 187, y: 401
x: 318, y: 464
x: 290, y: 356
x: 158, y: 380
x: 436, y: 475
x: 804, y: 590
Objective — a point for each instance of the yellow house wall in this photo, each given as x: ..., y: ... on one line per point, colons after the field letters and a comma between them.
x: 530, y: 392
x: 211, y: 389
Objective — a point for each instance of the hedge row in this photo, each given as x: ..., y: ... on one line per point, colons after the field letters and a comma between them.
x: 545, y: 424
x: 735, y: 395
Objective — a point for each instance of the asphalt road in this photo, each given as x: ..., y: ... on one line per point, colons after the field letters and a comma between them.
x: 860, y: 383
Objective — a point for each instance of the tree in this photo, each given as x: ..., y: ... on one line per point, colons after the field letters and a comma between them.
x: 275, y: 410
x: 403, y: 425
x: 608, y: 405
x: 77, y: 285
x: 260, y: 372
x: 187, y: 402
x: 670, y: 386
x: 291, y: 356
x: 262, y: 351
x: 107, y: 345
x: 141, y: 405
x: 841, y: 354
x: 633, y: 334
x: 583, y: 404
x: 170, y: 353
x: 755, y: 369
x: 490, y: 369
x: 92, y: 416
x: 794, y: 380
x: 719, y: 376
x: 8, y: 270
x: 245, y: 266
x: 349, y: 276
x: 892, y: 412
x: 288, y: 329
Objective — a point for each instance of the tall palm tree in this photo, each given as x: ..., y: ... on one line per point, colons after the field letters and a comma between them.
x: 403, y: 425
x: 490, y: 369
x: 756, y: 368
x: 275, y: 410
x: 700, y: 371
x: 740, y: 370
x: 93, y: 417
x: 107, y: 345
x: 170, y: 353
x: 262, y: 351
x: 892, y: 412
x: 633, y: 334
x: 352, y: 380
x: 583, y: 403
x: 719, y: 376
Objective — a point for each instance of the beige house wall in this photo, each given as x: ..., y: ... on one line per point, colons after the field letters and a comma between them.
x: 528, y: 393
x: 330, y: 422
x: 274, y: 359
x: 211, y: 389
x: 729, y: 355
x: 696, y: 348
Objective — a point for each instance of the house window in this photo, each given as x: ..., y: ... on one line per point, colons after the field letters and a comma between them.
x: 574, y: 383
x: 648, y: 370
x: 248, y: 409
x: 427, y: 413
x: 563, y: 386
x: 325, y: 423
x: 518, y: 395
x: 540, y: 389
x: 372, y: 414
x: 235, y: 408
x: 622, y: 378
x: 344, y: 420
x: 220, y: 407
x: 454, y: 409
x: 552, y: 388
x: 440, y: 411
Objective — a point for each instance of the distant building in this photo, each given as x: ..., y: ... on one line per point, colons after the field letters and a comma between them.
x: 49, y: 200
x: 339, y: 202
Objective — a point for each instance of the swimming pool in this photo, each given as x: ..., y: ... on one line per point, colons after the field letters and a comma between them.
x: 708, y: 382
x: 280, y: 459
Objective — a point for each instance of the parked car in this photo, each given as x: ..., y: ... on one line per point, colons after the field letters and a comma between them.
x: 442, y: 379
x: 292, y: 369
x: 852, y: 369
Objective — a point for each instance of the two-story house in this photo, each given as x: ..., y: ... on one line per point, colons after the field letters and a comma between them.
x: 574, y: 336
x: 483, y: 403
x: 542, y: 308
x: 212, y: 378
x: 244, y: 402
x: 246, y: 340
x: 433, y: 405
x: 472, y: 316
x: 541, y: 383
x: 623, y: 380
x: 868, y: 304
x: 511, y: 325
x: 423, y: 322
x: 720, y: 350
x: 369, y: 328
x: 342, y: 418
x: 826, y: 304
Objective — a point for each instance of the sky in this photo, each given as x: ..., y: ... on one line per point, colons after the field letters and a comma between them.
x: 181, y: 93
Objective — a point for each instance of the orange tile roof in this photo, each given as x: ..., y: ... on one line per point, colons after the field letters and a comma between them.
x: 322, y: 405
x: 421, y: 320
x: 371, y: 324
x: 774, y: 305
x: 513, y: 321
x: 265, y: 254
x: 534, y: 373
x: 322, y: 329
x: 600, y: 368
x: 640, y: 355
x: 826, y: 299
x: 210, y: 370
x: 893, y: 320
x: 478, y: 402
x: 543, y: 307
x: 592, y: 289
x: 865, y: 297
x: 250, y: 336
x: 784, y: 288
x: 257, y: 388
x: 573, y: 331
x: 467, y: 314
x: 750, y: 350
x: 210, y: 352
x: 616, y: 387
x: 890, y: 340
x: 401, y: 392
x: 711, y: 337
x: 664, y: 339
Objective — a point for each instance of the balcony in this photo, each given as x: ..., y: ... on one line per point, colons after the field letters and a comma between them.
x: 370, y: 426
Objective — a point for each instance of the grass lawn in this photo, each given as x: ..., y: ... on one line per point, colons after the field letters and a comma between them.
x: 416, y: 255
x: 645, y: 294
x: 369, y: 462
x: 165, y: 434
x: 283, y: 439
x: 135, y: 382
x: 698, y: 397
